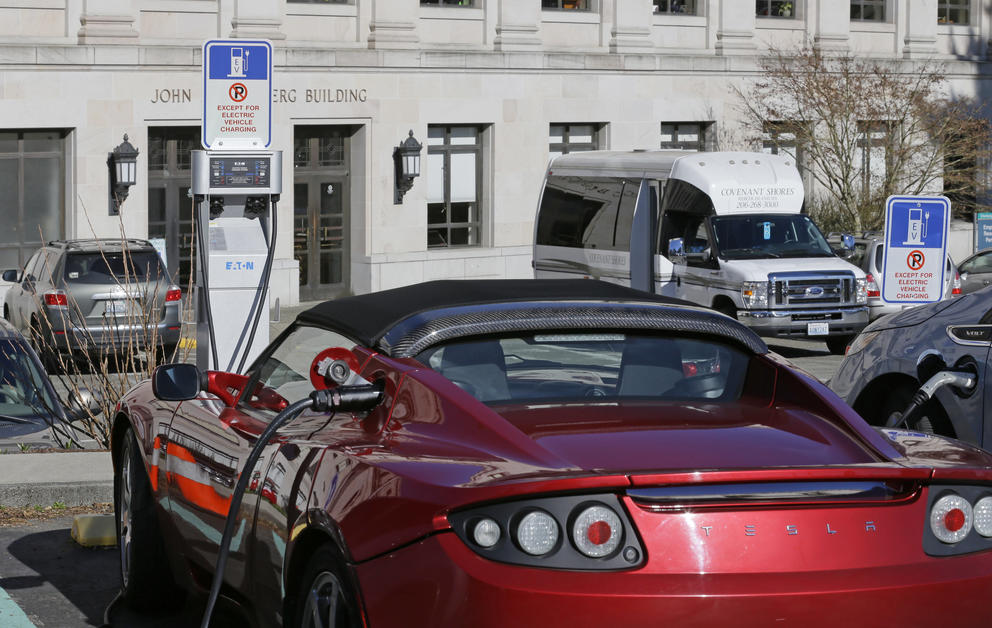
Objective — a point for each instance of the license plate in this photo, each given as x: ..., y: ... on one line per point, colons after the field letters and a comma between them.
x: 817, y: 329
x: 116, y: 308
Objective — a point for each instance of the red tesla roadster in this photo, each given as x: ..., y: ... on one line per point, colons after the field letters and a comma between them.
x: 543, y: 453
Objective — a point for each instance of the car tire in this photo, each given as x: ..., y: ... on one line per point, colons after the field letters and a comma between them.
x: 837, y: 345
x: 325, y: 598
x: 929, y: 418
x: 145, y: 577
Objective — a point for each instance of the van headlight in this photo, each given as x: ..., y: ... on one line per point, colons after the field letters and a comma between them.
x: 861, y: 291
x: 754, y: 294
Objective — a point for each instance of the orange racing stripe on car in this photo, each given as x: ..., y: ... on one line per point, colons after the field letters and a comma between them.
x: 193, y: 481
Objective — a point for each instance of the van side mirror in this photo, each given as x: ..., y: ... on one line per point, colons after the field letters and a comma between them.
x: 10, y: 275
x: 676, y: 251
x: 176, y: 382
x: 847, y: 241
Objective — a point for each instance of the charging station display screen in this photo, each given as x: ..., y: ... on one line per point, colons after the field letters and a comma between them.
x: 239, y: 172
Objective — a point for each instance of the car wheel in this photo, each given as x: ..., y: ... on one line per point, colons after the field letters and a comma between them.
x: 325, y: 599
x: 144, y: 570
x: 930, y: 418
x: 837, y: 345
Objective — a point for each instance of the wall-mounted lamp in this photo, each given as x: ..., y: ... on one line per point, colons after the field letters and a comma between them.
x: 123, y: 166
x: 406, y: 159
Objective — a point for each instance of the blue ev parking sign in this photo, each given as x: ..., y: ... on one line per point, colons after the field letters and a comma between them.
x: 237, y: 94
x: 915, y: 248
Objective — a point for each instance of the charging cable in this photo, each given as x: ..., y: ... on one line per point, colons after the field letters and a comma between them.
x: 343, y: 398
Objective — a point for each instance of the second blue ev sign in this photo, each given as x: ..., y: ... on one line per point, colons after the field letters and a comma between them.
x: 237, y: 95
x: 915, y: 248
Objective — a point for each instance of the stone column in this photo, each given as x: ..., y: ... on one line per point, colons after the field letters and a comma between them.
x: 394, y: 24
x: 832, y: 27
x: 518, y: 25
x: 257, y: 19
x: 921, y: 28
x: 631, y: 31
x: 735, y: 27
x: 107, y: 22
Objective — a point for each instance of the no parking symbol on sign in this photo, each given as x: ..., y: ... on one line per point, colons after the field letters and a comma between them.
x: 237, y: 94
x: 915, y: 248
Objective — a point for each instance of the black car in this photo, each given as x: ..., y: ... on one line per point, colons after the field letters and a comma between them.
x: 31, y: 414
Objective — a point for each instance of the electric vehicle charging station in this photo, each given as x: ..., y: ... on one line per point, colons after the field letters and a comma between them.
x: 235, y: 195
x: 236, y: 184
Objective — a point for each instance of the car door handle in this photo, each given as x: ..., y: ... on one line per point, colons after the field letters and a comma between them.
x: 215, y: 477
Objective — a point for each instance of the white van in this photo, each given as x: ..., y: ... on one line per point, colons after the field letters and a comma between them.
x: 725, y: 230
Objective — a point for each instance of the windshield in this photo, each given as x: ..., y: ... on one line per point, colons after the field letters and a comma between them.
x: 590, y: 366
x: 23, y: 392
x: 762, y: 236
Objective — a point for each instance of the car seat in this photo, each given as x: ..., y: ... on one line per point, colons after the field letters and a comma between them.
x: 479, y: 368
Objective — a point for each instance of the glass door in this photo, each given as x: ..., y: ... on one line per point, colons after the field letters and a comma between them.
x: 170, y: 208
x: 320, y: 216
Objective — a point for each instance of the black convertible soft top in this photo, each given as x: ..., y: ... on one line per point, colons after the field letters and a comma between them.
x: 368, y: 317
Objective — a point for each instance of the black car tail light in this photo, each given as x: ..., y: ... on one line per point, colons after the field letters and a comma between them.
x: 578, y: 532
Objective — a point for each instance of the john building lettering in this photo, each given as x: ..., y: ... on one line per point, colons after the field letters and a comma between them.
x: 165, y: 95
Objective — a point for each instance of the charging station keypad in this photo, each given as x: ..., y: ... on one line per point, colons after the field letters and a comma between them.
x: 239, y: 172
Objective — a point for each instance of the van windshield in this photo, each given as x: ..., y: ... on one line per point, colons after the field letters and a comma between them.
x: 762, y: 236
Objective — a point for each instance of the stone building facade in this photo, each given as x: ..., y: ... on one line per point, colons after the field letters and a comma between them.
x: 491, y: 88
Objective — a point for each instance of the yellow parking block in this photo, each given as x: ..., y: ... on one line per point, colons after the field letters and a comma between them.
x: 187, y: 343
x: 94, y: 530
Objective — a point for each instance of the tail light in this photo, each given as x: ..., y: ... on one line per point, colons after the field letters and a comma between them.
x: 56, y: 298
x: 950, y: 518
x: 873, y: 290
x: 956, y: 283
x: 597, y: 531
x: 173, y: 294
x: 584, y: 532
x: 537, y: 533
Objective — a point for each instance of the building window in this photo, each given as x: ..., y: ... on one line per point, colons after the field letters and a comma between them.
x: 780, y: 139
x: 677, y: 7
x: 684, y: 135
x: 773, y: 8
x: 954, y: 12
x: 570, y: 138
x: 319, y: 1
x: 871, y: 160
x: 170, y: 209
x: 32, y: 178
x: 580, y: 5
x: 454, y: 186
x: 868, y: 10
x: 449, y: 3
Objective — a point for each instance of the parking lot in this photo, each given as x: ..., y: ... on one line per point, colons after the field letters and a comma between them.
x: 52, y: 581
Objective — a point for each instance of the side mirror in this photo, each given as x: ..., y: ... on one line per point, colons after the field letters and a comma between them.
x: 676, y: 251
x: 10, y: 276
x: 176, y: 382
x: 847, y: 241
x: 701, y: 257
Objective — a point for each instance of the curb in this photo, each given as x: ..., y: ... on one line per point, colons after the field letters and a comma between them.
x: 47, y: 493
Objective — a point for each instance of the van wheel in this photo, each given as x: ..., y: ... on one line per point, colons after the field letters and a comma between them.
x: 837, y: 345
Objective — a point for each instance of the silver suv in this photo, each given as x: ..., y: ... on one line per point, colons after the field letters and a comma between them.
x: 91, y: 296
